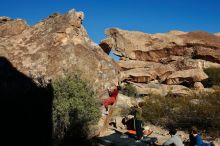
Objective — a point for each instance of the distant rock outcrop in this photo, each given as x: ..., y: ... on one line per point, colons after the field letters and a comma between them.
x: 55, y: 46
x: 173, y: 58
x: 217, y: 34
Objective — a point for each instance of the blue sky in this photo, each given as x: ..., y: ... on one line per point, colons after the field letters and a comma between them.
x: 150, y: 16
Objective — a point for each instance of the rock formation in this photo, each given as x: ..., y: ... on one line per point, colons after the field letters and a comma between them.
x: 58, y: 45
x: 165, y: 59
x: 53, y: 47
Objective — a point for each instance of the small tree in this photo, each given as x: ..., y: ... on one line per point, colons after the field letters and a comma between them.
x: 129, y: 90
x: 75, y: 106
x: 214, y: 77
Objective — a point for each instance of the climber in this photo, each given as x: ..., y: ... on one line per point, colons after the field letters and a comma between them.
x: 112, y: 97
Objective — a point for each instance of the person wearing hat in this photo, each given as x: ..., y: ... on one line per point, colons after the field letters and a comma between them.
x: 174, y: 140
x: 136, y: 110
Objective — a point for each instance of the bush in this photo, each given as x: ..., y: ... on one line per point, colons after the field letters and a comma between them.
x: 75, y: 106
x: 129, y: 90
x: 183, y: 112
x: 214, y: 77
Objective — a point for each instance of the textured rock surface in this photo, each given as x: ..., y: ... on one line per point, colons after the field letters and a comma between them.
x: 198, y: 85
x: 148, y: 47
x: 9, y: 27
x: 162, y: 89
x: 191, y: 75
x: 53, y: 47
x: 169, y: 58
x: 48, y: 50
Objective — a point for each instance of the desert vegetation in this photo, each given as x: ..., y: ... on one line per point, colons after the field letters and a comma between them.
x: 75, y: 106
x: 214, y: 77
x: 129, y: 90
x: 183, y: 112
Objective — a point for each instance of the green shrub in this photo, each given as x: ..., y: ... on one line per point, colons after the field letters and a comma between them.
x: 75, y: 106
x: 214, y: 77
x: 129, y: 90
x: 183, y: 112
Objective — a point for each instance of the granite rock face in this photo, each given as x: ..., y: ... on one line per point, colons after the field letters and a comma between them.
x: 50, y: 49
x: 9, y: 27
x: 55, y: 46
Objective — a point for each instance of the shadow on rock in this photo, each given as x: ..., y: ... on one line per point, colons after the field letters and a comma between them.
x: 25, y: 108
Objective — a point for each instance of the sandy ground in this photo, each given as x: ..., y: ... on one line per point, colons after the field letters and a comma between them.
x: 161, y: 134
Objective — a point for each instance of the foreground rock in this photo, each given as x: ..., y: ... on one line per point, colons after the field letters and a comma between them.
x: 54, y: 47
x: 50, y: 49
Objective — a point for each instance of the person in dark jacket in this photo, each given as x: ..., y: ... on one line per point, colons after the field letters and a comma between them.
x: 195, y: 138
x: 192, y: 140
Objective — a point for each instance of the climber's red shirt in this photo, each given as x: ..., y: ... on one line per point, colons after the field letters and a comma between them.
x: 111, y: 100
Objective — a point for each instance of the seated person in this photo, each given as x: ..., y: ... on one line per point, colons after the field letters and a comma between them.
x: 174, y: 140
x: 128, y: 122
x: 195, y: 138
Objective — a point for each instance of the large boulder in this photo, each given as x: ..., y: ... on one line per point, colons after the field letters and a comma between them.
x: 54, y: 47
x: 171, y: 58
x: 161, y: 89
x: 140, y: 75
x: 152, y: 47
x: 32, y: 56
x: 191, y: 75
